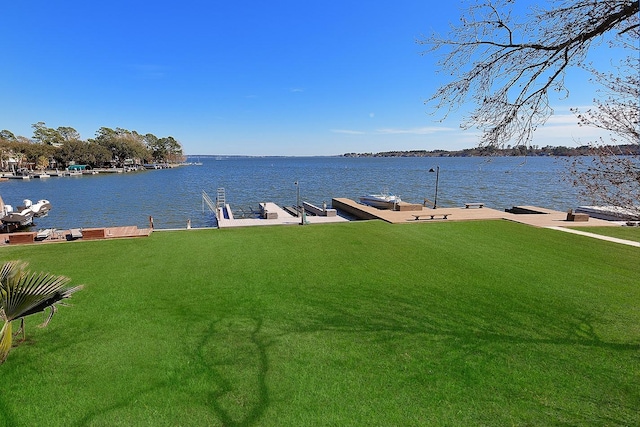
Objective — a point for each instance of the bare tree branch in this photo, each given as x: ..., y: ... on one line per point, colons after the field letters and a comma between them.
x: 507, y: 68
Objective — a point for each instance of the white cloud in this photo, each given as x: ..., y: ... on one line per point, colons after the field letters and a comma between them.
x: 428, y: 130
x: 562, y: 119
x: 563, y: 129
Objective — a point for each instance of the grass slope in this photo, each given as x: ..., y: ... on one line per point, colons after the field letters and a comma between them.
x: 627, y: 233
x: 367, y: 323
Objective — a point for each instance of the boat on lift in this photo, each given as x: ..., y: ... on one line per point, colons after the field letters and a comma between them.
x: 40, y: 208
x: 13, y: 219
x: 383, y: 200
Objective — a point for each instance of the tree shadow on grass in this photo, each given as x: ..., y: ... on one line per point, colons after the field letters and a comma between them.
x: 556, y: 346
x: 488, y: 319
x: 226, y: 376
x: 233, y: 354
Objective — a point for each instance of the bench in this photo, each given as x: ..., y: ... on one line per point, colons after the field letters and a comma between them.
x: 577, y: 217
x: 431, y: 216
x: 473, y: 205
x: 267, y: 214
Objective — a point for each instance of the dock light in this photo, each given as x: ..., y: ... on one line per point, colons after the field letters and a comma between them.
x: 297, y: 184
x: 437, y: 171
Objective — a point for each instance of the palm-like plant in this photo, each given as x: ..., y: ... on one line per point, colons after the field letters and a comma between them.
x: 23, y: 293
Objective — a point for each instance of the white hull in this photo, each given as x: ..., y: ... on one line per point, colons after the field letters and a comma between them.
x: 22, y: 218
x: 379, y: 200
x: 40, y: 208
x: 610, y: 213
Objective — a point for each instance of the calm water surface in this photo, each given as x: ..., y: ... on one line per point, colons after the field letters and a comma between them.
x: 173, y: 196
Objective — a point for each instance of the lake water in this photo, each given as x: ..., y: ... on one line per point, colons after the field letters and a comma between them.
x: 173, y: 196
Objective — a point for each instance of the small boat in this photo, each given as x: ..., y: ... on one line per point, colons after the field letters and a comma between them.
x: 22, y: 216
x: 40, y: 208
x: 380, y: 200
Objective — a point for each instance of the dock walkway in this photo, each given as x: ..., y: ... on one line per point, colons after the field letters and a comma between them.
x: 542, y: 218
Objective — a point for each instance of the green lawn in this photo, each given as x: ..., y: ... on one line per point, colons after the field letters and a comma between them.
x: 356, y: 324
x: 627, y: 233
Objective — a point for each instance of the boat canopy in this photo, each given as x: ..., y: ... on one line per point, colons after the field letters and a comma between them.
x: 78, y: 167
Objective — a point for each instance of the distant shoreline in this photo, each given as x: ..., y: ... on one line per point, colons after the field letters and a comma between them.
x: 561, y: 151
x: 585, y: 150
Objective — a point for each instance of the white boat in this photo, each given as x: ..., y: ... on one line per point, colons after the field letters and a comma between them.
x: 380, y: 200
x: 22, y: 216
x: 611, y: 213
x: 40, y: 208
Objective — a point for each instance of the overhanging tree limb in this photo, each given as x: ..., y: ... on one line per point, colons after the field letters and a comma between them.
x: 507, y: 69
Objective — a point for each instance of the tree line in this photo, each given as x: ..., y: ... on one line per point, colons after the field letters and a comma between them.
x: 63, y: 146
x: 521, y: 150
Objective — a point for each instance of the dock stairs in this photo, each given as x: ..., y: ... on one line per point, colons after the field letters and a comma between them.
x: 216, y: 207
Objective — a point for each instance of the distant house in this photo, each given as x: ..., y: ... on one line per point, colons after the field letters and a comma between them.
x: 9, y: 163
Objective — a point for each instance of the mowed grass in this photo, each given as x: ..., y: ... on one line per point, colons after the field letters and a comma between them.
x: 365, y: 323
x: 627, y: 233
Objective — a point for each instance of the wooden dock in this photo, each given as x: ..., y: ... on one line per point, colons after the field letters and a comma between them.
x: 539, y: 217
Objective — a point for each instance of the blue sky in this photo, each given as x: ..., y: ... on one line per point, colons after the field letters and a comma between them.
x: 242, y: 77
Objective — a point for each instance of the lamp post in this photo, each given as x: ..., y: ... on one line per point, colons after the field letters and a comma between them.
x: 300, y: 214
x: 435, y: 199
